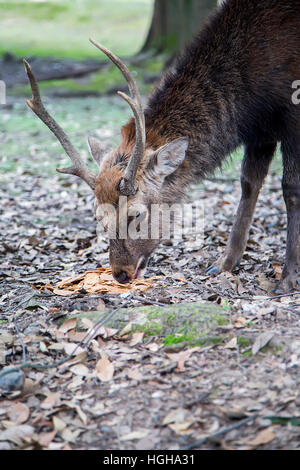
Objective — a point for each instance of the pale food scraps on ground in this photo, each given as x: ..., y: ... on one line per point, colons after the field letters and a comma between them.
x: 98, y: 281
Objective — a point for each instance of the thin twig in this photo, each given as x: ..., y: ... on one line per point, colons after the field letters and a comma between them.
x: 222, y: 431
x: 20, y: 338
x: 149, y: 301
x: 242, y: 368
x: 290, y: 294
x: 271, y: 297
x: 28, y: 298
x: 105, y: 319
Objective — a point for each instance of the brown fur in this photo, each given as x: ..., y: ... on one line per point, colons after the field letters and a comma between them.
x: 230, y: 87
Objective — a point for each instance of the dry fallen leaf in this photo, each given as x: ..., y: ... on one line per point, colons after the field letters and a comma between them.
x: 80, y: 369
x: 104, y: 369
x: 135, y: 435
x: 278, y: 270
x: 181, y: 428
x: 81, y: 415
x: 261, y: 341
x: 179, y: 277
x: 58, y: 424
x: 175, y: 416
x: 154, y: 347
x: 68, y: 435
x: 263, y: 437
x: 50, y: 401
x: 70, y: 347
x: 178, y: 420
x: 232, y: 344
x: 19, y: 413
x: 67, y: 325
x: 181, y: 357
x: 137, y: 338
x: 45, y: 438
x: 62, y: 292
x: 134, y: 374
x: 240, y: 322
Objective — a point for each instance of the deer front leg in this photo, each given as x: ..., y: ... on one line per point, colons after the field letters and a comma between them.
x: 290, y: 278
x: 255, y: 168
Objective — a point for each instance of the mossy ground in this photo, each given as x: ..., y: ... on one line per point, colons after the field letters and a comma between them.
x: 185, y: 324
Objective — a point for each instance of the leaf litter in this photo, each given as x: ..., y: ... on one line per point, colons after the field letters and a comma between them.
x: 128, y: 391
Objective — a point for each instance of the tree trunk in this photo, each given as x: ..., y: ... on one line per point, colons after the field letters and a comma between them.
x: 175, y: 22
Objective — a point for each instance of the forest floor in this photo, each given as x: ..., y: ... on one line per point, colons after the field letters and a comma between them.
x: 236, y: 387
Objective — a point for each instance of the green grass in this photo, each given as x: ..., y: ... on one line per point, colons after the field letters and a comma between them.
x: 62, y: 28
x: 35, y: 145
x: 190, y: 340
x: 27, y: 144
x: 231, y: 168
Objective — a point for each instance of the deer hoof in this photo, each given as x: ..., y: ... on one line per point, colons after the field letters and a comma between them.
x: 213, y: 270
x: 218, y: 268
x: 286, y: 285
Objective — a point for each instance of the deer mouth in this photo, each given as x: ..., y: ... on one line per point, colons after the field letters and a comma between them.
x: 140, y: 268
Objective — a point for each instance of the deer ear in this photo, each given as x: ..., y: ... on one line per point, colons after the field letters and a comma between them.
x: 96, y: 149
x: 170, y: 156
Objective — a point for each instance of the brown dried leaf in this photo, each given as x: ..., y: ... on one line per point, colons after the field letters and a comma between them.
x: 45, y: 438
x: 181, y: 357
x: 67, y: 325
x: 104, y: 369
x: 70, y: 347
x: 232, y: 344
x: 58, y: 424
x: 137, y: 338
x: 181, y: 428
x: 240, y: 322
x: 79, y: 369
x: 278, y: 271
x: 135, y: 435
x: 175, y: 416
x: 261, y: 341
x: 134, y: 374
x: 19, y: 413
x: 50, y: 401
x: 263, y: 437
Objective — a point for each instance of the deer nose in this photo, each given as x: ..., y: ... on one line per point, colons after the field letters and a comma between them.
x: 121, y: 277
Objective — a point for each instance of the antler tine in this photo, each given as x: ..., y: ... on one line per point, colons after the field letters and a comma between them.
x: 128, y: 183
x: 78, y: 168
x: 123, y: 68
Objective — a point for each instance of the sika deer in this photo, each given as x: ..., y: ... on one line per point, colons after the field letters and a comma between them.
x: 231, y: 86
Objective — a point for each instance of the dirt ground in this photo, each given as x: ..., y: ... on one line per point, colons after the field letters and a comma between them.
x: 130, y: 389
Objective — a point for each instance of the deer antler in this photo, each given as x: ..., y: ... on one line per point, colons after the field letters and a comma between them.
x: 78, y: 168
x: 128, y: 184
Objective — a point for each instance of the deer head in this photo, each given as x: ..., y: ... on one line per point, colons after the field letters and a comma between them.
x: 130, y: 181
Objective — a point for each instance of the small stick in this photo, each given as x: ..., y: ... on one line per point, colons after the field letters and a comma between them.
x: 20, y: 338
x: 222, y: 431
x: 148, y: 301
